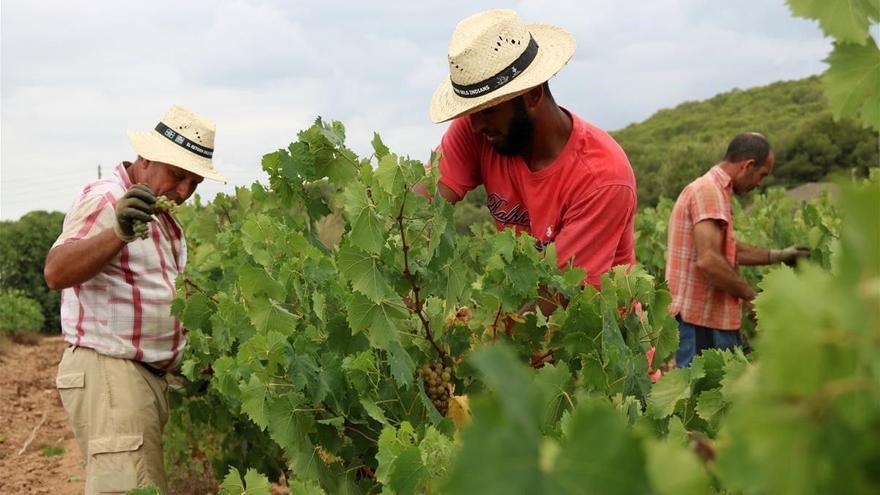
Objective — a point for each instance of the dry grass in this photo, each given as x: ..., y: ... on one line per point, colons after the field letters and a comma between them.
x: 26, y: 338
x: 5, y: 344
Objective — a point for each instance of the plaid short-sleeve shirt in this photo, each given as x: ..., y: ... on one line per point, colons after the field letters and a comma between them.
x: 125, y: 310
x: 694, y: 299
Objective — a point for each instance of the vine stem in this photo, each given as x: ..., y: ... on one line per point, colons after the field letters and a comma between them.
x: 413, y: 282
x: 352, y: 428
x: 187, y: 282
x: 538, y: 361
x: 495, y: 322
x: 226, y: 214
x: 347, y: 426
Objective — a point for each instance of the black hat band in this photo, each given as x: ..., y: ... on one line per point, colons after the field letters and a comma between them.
x: 500, y: 79
x: 182, y: 141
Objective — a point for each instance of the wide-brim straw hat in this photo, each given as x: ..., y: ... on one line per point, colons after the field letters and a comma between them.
x: 182, y: 139
x: 494, y: 56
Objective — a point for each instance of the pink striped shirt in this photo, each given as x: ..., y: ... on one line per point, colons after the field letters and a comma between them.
x: 694, y: 298
x: 125, y: 310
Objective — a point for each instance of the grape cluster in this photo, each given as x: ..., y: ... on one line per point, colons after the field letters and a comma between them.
x: 165, y: 204
x: 142, y: 229
x: 436, y: 378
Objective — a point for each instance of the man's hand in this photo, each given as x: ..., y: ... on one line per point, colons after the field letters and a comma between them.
x: 789, y: 255
x: 136, y: 204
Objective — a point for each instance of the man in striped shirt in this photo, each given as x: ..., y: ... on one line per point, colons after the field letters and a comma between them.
x: 703, y: 256
x: 117, y: 289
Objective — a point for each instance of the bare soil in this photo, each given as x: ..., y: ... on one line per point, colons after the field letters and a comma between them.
x: 27, y: 393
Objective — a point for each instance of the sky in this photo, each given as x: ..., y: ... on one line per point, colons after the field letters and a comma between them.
x: 74, y: 76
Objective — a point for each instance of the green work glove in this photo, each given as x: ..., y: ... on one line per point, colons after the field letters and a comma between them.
x: 135, y: 204
x: 789, y: 255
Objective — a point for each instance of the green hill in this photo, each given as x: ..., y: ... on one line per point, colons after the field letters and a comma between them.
x: 675, y: 145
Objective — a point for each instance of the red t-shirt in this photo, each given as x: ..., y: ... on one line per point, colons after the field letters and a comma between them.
x: 585, y: 201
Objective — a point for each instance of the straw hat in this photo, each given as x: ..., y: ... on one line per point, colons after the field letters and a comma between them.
x: 182, y: 139
x: 494, y: 56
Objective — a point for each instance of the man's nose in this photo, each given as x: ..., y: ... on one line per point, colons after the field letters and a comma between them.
x: 478, y: 122
x: 185, y: 189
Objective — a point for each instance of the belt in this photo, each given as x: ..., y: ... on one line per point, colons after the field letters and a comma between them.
x: 152, y: 369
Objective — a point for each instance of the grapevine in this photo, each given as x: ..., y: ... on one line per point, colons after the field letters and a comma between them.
x: 338, y: 313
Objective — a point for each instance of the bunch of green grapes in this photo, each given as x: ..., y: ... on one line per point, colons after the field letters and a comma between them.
x: 437, y: 378
x: 142, y: 229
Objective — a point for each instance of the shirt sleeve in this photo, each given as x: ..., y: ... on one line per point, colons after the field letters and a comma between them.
x: 594, y: 228
x: 460, y: 158
x: 90, y: 215
x: 708, y: 203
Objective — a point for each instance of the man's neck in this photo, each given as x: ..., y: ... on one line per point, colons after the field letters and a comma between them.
x: 731, y: 169
x: 553, y: 127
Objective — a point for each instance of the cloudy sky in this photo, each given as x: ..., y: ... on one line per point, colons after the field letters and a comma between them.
x: 76, y: 75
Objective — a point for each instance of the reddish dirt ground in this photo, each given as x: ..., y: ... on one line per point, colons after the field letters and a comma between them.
x: 27, y: 392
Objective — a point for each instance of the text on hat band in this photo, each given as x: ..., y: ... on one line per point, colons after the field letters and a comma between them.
x: 181, y: 140
x: 508, y: 74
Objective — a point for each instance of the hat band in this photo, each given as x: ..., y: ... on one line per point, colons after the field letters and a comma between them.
x: 182, y: 141
x: 501, y: 78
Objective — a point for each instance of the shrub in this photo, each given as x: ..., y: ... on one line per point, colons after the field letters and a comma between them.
x: 19, y: 313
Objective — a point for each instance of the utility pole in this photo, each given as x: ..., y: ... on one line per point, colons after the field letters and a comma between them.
x: 99, y: 171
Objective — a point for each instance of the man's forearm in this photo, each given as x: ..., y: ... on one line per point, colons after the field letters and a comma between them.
x: 750, y: 255
x: 723, y: 276
x: 75, y: 262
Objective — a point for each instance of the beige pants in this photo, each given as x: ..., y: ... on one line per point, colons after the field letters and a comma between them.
x: 117, y: 410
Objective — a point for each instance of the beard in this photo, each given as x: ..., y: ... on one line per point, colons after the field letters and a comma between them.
x: 519, y: 133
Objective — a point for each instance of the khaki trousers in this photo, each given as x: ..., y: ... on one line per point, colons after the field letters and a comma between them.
x: 117, y: 410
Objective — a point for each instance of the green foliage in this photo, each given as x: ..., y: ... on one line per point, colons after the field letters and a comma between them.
x: 814, y: 397
x: 52, y: 450
x: 652, y: 226
x: 313, y: 348
x: 24, y: 244
x: 253, y: 483
x: 592, y: 447
x: 676, y: 145
x: 303, y: 352
x: 845, y: 20
x: 852, y: 81
x: 145, y: 490
x: 776, y: 220
x: 19, y: 313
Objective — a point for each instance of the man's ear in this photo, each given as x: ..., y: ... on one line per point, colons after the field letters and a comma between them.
x: 533, y: 96
x: 142, y: 162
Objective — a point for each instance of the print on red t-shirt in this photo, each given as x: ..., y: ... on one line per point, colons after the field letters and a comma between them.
x: 584, y: 202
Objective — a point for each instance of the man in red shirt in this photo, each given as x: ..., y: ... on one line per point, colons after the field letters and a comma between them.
x: 703, y: 256
x: 546, y: 171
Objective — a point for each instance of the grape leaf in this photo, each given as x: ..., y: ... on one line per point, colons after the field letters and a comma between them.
x: 669, y: 389
x: 253, y: 401
x: 618, y: 467
x: 673, y: 470
x: 362, y: 270
x: 380, y: 320
x: 269, y: 316
x: 852, y: 82
x: 846, y: 20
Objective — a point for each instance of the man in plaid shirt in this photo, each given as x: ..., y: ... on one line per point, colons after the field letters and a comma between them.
x: 117, y: 289
x: 703, y: 256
